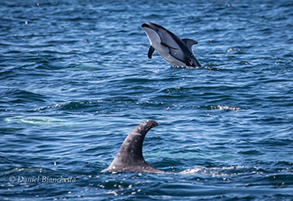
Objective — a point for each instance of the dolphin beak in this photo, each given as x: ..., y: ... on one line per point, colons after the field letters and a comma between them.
x: 148, y: 25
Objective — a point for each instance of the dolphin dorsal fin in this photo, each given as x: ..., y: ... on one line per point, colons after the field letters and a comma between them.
x: 131, y: 148
x: 129, y: 157
x: 150, y: 52
x: 189, y: 43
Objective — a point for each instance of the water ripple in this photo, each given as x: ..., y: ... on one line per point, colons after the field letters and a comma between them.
x: 76, y: 79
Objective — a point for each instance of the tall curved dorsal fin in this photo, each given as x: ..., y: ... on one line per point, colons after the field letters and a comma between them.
x: 189, y: 42
x: 129, y: 157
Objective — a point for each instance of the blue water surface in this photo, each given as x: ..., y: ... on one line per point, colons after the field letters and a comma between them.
x: 75, y: 80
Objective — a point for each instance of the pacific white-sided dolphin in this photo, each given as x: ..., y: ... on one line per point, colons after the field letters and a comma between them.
x: 129, y: 157
x: 174, y: 50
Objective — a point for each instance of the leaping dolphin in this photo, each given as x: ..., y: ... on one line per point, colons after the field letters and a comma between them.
x: 174, y: 50
x: 129, y: 157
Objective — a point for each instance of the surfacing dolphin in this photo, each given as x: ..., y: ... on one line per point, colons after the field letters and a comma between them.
x: 174, y: 50
x: 129, y: 157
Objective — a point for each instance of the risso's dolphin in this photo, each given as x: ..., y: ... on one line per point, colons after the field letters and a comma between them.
x: 174, y: 50
x: 129, y: 157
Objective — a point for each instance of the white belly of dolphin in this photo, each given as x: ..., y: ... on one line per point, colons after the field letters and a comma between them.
x: 155, y: 41
x: 174, y: 61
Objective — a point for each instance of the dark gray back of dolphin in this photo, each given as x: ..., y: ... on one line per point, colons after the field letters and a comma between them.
x: 129, y: 157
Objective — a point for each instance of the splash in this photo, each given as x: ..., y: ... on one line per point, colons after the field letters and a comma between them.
x: 224, y: 107
x: 223, y: 171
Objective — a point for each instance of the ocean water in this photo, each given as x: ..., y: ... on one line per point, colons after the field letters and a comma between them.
x: 75, y: 80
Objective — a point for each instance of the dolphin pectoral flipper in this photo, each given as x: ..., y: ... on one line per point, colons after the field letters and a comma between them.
x: 150, y: 52
x: 189, y: 42
x: 129, y: 157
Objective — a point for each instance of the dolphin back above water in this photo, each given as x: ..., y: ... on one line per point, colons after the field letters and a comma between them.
x: 174, y: 50
x: 129, y: 157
